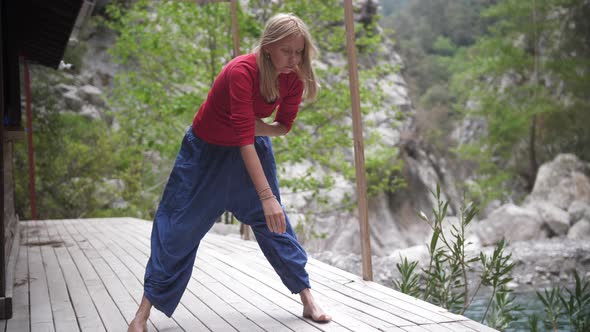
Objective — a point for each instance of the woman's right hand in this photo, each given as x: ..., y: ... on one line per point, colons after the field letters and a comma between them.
x: 273, y: 211
x: 274, y: 215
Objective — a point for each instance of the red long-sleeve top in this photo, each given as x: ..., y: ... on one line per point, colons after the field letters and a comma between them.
x: 234, y: 101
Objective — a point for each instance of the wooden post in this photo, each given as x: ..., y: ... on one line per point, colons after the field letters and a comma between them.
x: 359, y: 154
x: 235, y: 30
x: 4, y: 314
x: 244, y: 229
x: 32, y: 190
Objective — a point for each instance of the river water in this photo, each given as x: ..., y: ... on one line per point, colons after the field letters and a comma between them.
x: 530, y: 304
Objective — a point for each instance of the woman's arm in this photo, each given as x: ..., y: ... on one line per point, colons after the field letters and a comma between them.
x: 269, y: 129
x: 273, y: 212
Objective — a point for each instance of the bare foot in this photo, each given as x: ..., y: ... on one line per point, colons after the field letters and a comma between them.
x: 311, y: 310
x: 137, y: 325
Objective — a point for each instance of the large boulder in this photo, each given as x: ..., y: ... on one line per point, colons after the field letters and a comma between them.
x: 556, y: 219
x: 578, y: 210
x: 91, y: 94
x: 581, y: 230
x: 561, y: 182
x: 512, y: 223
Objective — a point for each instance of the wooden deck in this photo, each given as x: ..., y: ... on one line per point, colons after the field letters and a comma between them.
x: 87, y: 275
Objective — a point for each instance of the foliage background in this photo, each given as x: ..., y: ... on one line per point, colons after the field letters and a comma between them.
x: 169, y: 53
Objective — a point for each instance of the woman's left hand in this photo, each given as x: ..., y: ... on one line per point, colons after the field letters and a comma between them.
x: 262, y: 128
x: 259, y: 127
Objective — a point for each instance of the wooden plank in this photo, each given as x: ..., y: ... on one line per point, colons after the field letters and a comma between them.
x: 394, y: 329
x: 233, y: 299
x: 265, y: 292
x: 14, y: 135
x: 274, y: 292
x: 14, y: 245
x: 218, y: 305
x: 136, y: 268
x: 375, y: 308
x: 374, y: 290
x: 402, y: 317
x: 61, y: 307
x: 107, y: 311
x: 276, y: 295
x: 110, y: 314
x: 414, y: 329
x: 458, y: 327
x: 133, y: 257
x: 236, y: 243
x: 367, y: 318
x: 440, y: 327
x: 134, y: 288
x: 223, y: 308
x: 40, y: 304
x: 424, y: 312
x: 371, y: 315
x: 205, y: 314
x: 411, y: 311
x: 20, y: 301
x: 198, y: 303
x: 116, y: 249
x: 289, y: 319
x: 387, y: 292
x: 279, y: 294
x: 349, y: 317
x: 117, y: 291
x: 477, y: 326
x: 86, y: 314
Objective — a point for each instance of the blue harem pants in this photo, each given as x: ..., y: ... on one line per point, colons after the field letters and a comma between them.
x: 207, y: 180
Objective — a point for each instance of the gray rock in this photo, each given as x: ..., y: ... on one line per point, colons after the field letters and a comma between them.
x: 91, y: 94
x: 512, y: 223
x: 491, y: 207
x: 63, y: 88
x: 581, y: 230
x: 72, y: 101
x: 556, y: 219
x: 90, y: 111
x: 578, y: 210
x: 561, y: 182
x: 415, y: 253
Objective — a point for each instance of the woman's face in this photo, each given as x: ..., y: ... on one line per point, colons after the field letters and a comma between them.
x: 287, y: 53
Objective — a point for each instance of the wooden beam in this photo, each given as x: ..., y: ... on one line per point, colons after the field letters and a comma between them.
x: 13, y: 134
x: 359, y: 154
x: 6, y: 280
x: 235, y: 30
x: 3, y: 281
x: 31, y: 151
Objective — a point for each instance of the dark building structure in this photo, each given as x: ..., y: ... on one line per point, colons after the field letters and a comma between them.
x: 32, y: 31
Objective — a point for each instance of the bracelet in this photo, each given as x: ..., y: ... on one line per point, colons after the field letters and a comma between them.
x: 263, y: 190
x: 267, y: 197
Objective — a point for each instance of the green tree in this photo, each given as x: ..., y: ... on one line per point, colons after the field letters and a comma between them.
x: 516, y: 78
x: 170, y: 52
x: 428, y: 34
x: 73, y: 158
x: 173, y: 50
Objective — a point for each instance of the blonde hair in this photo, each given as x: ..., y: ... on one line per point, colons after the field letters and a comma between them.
x: 277, y: 28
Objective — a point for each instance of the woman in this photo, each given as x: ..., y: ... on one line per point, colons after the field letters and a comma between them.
x: 226, y: 163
